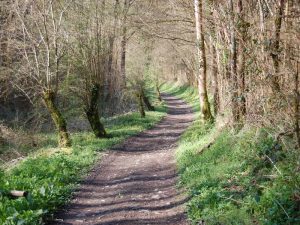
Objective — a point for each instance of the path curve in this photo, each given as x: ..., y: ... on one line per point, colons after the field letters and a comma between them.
x: 135, y: 183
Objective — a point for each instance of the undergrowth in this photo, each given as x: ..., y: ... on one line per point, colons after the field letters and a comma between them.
x: 241, y: 179
x: 50, y: 174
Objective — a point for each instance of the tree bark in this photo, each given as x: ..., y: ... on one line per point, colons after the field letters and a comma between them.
x: 58, y: 119
x: 109, y: 78
x: 123, y: 59
x: 215, y: 80
x: 243, y: 29
x: 158, y: 92
x: 111, y: 41
x: 2, y: 141
x: 147, y: 101
x: 202, y: 84
x: 124, y: 44
x: 275, y: 49
x: 92, y: 113
x: 140, y: 103
x: 233, y: 68
x: 296, y: 105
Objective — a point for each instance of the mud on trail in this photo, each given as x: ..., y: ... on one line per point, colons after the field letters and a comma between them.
x: 135, y: 183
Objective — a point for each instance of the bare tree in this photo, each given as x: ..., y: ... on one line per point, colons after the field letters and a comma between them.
x: 112, y: 39
x: 42, y: 43
x: 124, y: 38
x: 91, y: 55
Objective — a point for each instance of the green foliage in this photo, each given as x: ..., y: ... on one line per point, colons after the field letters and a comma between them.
x: 51, y: 174
x: 242, y: 178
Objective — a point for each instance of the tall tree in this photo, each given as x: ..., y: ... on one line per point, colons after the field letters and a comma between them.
x: 275, y: 45
x: 202, y: 76
x: 243, y: 30
x: 111, y: 41
x: 124, y: 39
x: 233, y: 65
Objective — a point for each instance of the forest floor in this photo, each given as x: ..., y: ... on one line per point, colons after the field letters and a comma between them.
x: 136, y: 182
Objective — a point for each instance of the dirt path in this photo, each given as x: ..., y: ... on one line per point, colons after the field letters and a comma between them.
x: 135, y: 183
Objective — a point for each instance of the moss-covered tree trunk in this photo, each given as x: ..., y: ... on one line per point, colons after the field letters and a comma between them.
x: 58, y: 119
x: 92, y: 113
x: 147, y: 101
x: 141, y: 104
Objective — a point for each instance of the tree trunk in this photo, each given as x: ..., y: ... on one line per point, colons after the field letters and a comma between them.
x: 202, y: 84
x: 214, y: 59
x: 140, y: 103
x: 233, y: 68
x: 2, y: 141
x: 275, y: 48
x: 124, y: 44
x: 243, y: 33
x: 123, y: 59
x: 111, y: 41
x: 215, y: 80
x: 296, y: 105
x: 158, y: 93
x: 108, y: 79
x: 59, y: 121
x: 92, y: 113
x: 147, y: 101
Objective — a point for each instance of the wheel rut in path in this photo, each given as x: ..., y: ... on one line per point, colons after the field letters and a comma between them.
x: 135, y: 183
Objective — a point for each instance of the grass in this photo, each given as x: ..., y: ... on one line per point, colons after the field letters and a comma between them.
x: 50, y: 174
x: 244, y: 178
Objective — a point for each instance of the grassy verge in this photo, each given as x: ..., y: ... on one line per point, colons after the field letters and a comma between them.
x: 50, y: 174
x: 242, y: 178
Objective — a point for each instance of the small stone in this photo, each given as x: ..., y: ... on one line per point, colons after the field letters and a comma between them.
x: 155, y: 197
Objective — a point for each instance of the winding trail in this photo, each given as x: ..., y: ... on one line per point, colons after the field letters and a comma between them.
x: 135, y: 183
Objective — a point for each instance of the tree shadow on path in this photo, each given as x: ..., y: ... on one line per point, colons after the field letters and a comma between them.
x: 136, y: 183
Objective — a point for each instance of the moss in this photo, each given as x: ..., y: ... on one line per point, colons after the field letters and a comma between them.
x: 147, y: 102
x: 139, y: 97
